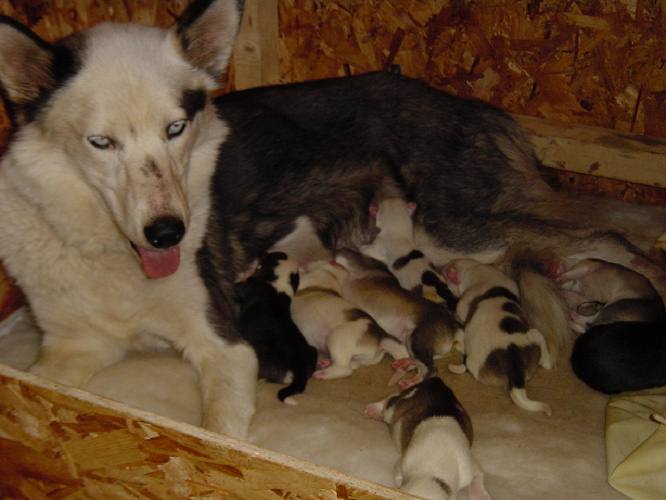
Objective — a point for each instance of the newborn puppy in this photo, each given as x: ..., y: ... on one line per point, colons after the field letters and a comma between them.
x: 500, y: 348
x: 265, y: 323
x: 394, y: 246
x: 334, y: 326
x: 622, y: 356
x: 427, y: 329
x: 434, y: 434
x: 600, y: 292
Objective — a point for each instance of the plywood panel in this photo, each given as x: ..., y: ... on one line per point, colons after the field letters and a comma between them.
x: 62, y: 442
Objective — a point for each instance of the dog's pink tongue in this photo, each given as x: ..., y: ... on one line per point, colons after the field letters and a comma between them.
x: 160, y: 263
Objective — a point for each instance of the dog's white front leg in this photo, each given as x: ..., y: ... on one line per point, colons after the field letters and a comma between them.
x: 398, y: 476
x: 228, y: 377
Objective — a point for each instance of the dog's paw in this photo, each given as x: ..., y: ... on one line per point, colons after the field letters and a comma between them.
x: 231, y: 419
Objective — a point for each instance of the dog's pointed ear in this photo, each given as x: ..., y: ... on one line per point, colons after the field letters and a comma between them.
x: 206, y: 32
x: 30, y: 68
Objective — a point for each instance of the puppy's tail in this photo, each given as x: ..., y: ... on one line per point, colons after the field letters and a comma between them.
x: 516, y: 376
x: 519, y: 397
x: 302, y: 372
x: 540, y: 297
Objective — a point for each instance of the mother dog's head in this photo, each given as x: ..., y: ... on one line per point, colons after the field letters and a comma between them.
x: 125, y: 105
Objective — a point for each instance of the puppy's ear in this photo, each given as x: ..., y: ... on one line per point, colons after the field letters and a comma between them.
x: 206, y: 33
x: 30, y: 68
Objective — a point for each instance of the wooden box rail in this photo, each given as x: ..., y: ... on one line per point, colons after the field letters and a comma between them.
x: 58, y: 442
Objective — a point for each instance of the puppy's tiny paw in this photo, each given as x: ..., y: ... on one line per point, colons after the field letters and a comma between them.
x: 373, y: 411
x: 403, y: 364
x: 459, y: 369
x: 324, y: 363
x: 406, y: 383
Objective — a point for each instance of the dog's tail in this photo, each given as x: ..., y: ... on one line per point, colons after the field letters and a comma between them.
x: 302, y: 372
x: 540, y: 297
x: 516, y: 375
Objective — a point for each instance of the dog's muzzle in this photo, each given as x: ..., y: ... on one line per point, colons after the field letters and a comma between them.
x: 163, y: 234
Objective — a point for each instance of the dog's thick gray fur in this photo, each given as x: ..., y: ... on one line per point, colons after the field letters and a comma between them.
x: 121, y: 160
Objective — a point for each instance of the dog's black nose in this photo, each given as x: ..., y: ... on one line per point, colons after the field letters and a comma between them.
x: 165, y: 232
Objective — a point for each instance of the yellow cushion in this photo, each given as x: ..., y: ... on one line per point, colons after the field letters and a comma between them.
x: 636, y: 443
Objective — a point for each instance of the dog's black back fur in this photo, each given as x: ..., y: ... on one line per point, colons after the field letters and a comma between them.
x: 623, y: 356
x: 265, y: 323
x: 323, y: 149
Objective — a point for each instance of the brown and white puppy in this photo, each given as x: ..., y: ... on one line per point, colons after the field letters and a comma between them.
x: 500, y: 348
x: 333, y: 325
x: 434, y: 434
x: 600, y: 292
x: 427, y: 329
x: 394, y: 246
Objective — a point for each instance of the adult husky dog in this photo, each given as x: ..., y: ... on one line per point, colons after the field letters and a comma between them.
x: 130, y: 200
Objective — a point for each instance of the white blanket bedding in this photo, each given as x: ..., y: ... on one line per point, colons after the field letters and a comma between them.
x: 524, y: 455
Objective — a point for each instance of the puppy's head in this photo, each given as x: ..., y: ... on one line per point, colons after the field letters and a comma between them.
x: 456, y: 274
x: 280, y: 272
x: 121, y: 110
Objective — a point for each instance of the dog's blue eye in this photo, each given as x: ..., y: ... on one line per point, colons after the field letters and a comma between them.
x: 174, y: 129
x: 100, y: 141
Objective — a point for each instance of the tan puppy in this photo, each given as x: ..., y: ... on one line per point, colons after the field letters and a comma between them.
x: 427, y: 329
x: 334, y: 326
x: 500, y: 348
x: 434, y: 434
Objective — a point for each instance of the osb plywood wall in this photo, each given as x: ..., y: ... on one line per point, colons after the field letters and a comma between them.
x: 592, y: 62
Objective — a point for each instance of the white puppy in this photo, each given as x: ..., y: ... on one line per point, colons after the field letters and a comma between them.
x: 394, y: 246
x: 500, y: 348
x: 334, y: 326
x: 434, y: 434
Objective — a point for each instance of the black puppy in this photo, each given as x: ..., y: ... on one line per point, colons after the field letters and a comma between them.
x: 621, y: 356
x: 265, y: 323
